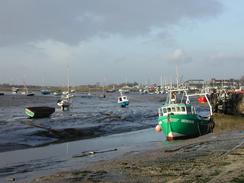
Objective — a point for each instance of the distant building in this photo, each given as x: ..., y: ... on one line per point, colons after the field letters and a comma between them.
x: 224, y: 83
x: 194, y: 83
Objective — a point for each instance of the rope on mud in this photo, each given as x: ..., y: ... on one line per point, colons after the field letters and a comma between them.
x: 234, y: 148
x: 89, y: 153
x: 204, y: 142
x: 39, y: 126
x: 184, y: 146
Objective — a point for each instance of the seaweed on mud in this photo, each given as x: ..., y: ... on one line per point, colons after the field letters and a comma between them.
x: 239, y: 179
x: 94, y: 176
x: 97, y: 175
x: 69, y: 133
x: 79, y: 175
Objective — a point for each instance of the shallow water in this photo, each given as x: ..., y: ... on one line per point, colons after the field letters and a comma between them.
x: 89, y: 117
x: 92, y: 124
x: 26, y: 164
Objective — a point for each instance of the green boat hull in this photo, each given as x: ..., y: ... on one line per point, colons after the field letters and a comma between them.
x: 185, y: 126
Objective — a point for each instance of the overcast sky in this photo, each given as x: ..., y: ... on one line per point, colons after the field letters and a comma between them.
x: 115, y: 41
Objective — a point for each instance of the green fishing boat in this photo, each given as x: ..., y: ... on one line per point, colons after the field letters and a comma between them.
x: 180, y: 118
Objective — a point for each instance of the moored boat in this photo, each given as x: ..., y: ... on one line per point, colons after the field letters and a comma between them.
x: 182, y: 119
x: 123, y: 100
x: 30, y: 94
x: 45, y: 92
x: 26, y: 91
x: 39, y: 112
x: 15, y: 90
x: 64, y: 103
x: 57, y: 93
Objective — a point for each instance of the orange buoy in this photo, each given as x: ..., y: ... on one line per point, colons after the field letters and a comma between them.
x: 158, y: 128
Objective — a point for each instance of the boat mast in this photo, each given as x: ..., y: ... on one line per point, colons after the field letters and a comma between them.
x: 161, y: 81
x: 165, y: 84
x: 68, y: 77
x: 104, y: 80
x: 177, y: 76
x: 25, y: 87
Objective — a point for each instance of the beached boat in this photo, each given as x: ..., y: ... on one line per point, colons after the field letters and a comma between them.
x: 57, y: 93
x: 124, y: 90
x: 181, y: 118
x: 26, y: 91
x: 39, y: 112
x: 45, y: 92
x: 111, y: 90
x: 30, y: 94
x: 123, y: 100
x: 15, y: 90
x: 64, y: 103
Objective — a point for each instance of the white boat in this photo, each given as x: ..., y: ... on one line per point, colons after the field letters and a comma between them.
x: 57, y: 93
x: 65, y: 92
x: 64, y: 104
x: 124, y: 90
x: 68, y: 96
x: 26, y: 91
x: 15, y: 90
x: 123, y: 100
x: 65, y: 101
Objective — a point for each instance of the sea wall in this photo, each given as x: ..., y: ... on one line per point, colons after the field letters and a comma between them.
x: 228, y: 102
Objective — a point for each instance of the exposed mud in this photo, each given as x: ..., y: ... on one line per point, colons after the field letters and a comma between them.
x: 217, y: 157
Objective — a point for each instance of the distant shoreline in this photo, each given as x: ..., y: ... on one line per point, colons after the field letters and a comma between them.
x: 85, y: 88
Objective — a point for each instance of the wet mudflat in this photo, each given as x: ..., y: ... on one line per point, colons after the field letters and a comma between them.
x: 89, y: 117
x: 34, y: 147
x: 216, y: 157
x: 97, y: 141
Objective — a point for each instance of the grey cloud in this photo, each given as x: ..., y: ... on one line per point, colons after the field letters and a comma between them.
x: 218, y: 65
x: 226, y: 58
x: 71, y: 21
x: 179, y: 56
